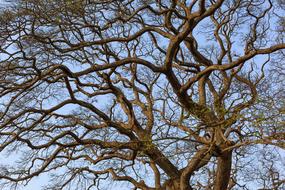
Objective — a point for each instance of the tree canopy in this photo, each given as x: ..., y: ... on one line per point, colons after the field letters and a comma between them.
x: 149, y: 94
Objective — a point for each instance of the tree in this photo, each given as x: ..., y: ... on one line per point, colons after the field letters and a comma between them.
x: 172, y: 94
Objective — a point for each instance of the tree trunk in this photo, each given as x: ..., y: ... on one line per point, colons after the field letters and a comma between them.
x: 173, y: 184
x: 223, y: 173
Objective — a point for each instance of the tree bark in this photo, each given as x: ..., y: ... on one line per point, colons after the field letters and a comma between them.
x: 163, y: 162
x: 173, y: 184
x: 223, y: 173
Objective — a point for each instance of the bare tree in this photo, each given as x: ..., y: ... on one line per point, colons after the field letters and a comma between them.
x: 170, y: 95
